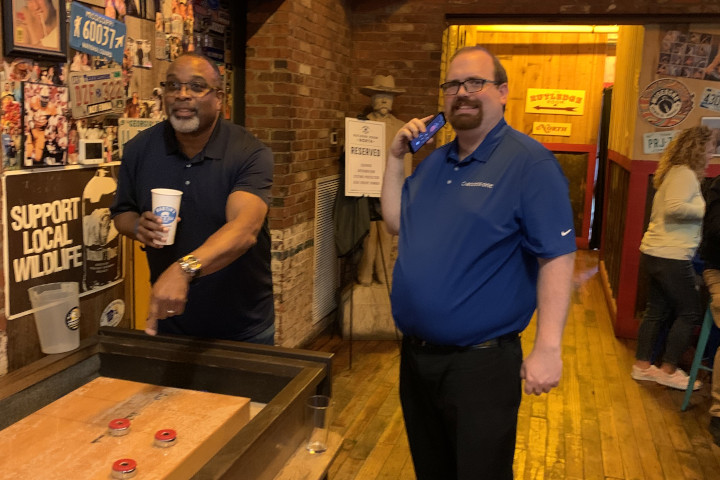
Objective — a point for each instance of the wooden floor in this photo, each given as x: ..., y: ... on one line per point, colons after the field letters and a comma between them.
x: 598, y: 424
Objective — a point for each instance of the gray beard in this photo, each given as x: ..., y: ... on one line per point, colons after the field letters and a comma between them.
x: 188, y: 125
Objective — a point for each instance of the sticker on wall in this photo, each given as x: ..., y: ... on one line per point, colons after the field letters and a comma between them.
x: 655, y: 142
x: 710, y: 99
x: 550, y: 128
x: 665, y: 103
x: 112, y: 314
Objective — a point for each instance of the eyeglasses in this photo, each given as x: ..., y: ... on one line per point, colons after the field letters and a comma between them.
x: 471, y: 85
x: 193, y: 89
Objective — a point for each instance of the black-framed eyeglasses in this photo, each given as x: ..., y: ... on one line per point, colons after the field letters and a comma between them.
x: 471, y: 85
x: 194, y: 89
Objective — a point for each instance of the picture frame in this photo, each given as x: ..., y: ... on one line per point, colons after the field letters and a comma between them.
x: 45, y: 125
x: 35, y: 29
x: 714, y: 124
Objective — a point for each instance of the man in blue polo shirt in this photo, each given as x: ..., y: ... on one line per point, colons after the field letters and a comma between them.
x: 485, y: 236
x: 215, y: 280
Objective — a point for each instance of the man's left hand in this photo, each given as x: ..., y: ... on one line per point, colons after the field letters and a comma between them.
x: 541, y: 370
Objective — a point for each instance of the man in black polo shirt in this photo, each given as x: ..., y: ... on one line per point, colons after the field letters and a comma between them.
x: 215, y: 280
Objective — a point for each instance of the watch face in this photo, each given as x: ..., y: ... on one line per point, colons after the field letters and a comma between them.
x: 190, y: 265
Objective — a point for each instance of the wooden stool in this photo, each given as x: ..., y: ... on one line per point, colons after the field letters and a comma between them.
x: 697, y: 360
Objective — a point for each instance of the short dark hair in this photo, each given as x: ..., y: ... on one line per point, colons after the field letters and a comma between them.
x: 500, y: 73
x: 216, y: 70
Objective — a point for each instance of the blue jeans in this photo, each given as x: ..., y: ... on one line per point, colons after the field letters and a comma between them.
x: 673, y: 300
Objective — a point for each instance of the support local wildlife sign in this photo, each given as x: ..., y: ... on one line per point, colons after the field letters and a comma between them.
x: 553, y: 101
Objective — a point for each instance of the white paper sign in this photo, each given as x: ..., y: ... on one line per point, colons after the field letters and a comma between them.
x: 129, y: 127
x: 657, y: 141
x: 364, y: 157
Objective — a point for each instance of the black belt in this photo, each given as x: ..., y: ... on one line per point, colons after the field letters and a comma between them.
x: 422, y: 345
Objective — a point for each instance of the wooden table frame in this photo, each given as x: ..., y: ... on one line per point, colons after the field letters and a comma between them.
x: 282, y: 378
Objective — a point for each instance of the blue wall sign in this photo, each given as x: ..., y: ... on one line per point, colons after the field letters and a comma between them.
x: 96, y: 34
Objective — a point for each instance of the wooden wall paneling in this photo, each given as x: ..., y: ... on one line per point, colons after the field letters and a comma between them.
x: 625, y: 90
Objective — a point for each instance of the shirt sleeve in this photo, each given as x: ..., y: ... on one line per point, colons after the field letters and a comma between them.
x: 124, y: 198
x: 256, y: 174
x: 683, y: 200
x: 546, y: 214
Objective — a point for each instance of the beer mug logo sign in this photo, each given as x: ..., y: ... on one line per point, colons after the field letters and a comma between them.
x: 167, y: 214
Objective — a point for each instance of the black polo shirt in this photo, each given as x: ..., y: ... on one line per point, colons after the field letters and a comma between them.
x: 236, y: 302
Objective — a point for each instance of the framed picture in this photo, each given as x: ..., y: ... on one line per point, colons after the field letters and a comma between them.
x: 35, y: 29
x: 45, y: 125
x: 713, y: 123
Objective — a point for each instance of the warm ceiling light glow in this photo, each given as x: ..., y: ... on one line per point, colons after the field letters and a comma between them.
x: 549, y: 28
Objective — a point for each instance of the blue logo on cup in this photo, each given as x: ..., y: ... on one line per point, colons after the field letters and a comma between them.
x: 166, y: 214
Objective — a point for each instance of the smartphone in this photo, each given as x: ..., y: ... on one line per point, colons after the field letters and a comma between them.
x: 431, y: 129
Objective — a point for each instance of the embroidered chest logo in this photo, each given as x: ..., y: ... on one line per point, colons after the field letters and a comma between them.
x: 477, y: 184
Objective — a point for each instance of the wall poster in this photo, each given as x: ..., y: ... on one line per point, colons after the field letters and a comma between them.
x: 58, y: 229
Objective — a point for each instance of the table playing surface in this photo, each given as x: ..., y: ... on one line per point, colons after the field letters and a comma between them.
x: 70, y: 439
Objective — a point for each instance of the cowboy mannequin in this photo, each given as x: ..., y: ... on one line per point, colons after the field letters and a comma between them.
x: 378, y: 243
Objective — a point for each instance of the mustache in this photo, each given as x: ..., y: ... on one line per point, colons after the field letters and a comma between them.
x: 462, y: 102
x: 174, y: 110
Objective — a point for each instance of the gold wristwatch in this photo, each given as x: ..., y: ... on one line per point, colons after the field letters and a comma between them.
x: 190, y: 265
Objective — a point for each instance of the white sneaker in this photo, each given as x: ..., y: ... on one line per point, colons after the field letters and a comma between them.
x: 651, y: 373
x: 678, y: 380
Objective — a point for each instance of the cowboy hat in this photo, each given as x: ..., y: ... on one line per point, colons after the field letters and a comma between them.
x: 382, y: 84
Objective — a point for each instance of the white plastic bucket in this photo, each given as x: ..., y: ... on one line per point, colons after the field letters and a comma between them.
x: 57, y: 316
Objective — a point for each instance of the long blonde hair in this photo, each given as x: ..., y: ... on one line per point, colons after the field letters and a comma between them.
x: 687, y: 148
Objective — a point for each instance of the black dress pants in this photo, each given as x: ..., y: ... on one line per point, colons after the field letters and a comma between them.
x: 460, y: 410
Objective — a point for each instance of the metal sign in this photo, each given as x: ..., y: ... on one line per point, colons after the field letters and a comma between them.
x: 555, y: 101
x: 655, y: 142
x: 95, y: 92
x: 96, y: 34
x: 711, y: 99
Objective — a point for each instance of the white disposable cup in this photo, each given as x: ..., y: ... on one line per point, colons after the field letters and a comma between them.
x: 317, y: 422
x: 166, y: 205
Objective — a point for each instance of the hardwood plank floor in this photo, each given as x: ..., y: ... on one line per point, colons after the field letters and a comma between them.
x: 598, y: 423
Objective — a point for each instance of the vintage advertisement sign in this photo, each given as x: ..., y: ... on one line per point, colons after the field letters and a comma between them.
x: 665, y: 103
x: 95, y: 92
x: 364, y: 157
x: 710, y: 99
x: 58, y: 229
x: 656, y: 142
x: 96, y: 34
x: 129, y: 127
x: 549, y: 128
x: 555, y: 101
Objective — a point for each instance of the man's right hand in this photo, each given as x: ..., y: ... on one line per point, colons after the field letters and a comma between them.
x: 399, y: 146
x: 149, y: 230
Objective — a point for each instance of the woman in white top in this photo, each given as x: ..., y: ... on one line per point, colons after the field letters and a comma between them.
x: 668, y: 247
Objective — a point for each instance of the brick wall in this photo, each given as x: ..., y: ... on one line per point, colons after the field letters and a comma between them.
x: 297, y: 84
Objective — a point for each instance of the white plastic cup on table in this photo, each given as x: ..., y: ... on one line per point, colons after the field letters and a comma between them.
x: 57, y: 316
x: 166, y: 205
x: 317, y: 421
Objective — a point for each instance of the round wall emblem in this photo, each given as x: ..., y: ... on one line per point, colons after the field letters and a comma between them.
x: 112, y: 314
x: 665, y: 103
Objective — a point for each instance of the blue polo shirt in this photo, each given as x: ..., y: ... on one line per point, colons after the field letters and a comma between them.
x: 236, y: 302
x: 470, y: 236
